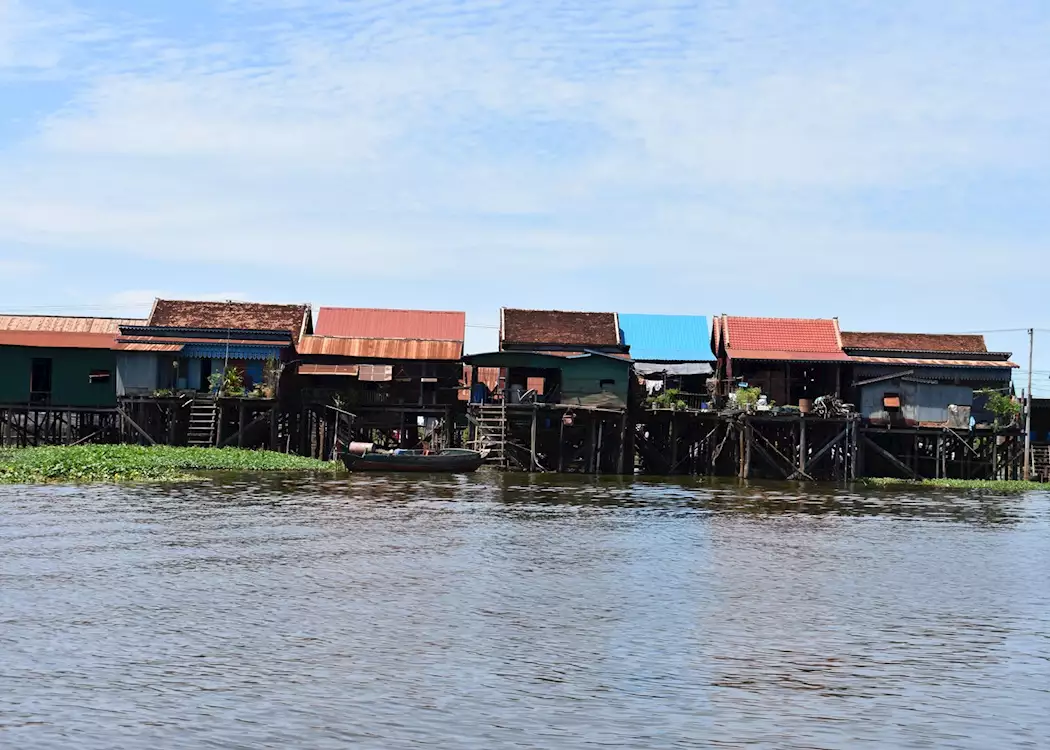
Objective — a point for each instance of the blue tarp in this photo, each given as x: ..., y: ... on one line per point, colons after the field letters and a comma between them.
x: 667, y: 338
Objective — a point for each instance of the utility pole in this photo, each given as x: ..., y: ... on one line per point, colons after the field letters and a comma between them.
x: 1028, y: 411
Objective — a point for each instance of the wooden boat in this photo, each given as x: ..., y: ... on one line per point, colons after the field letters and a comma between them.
x: 448, y: 461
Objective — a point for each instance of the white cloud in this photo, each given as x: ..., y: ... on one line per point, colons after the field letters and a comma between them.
x: 532, y: 138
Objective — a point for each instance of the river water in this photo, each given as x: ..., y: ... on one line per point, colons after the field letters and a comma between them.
x: 515, y: 612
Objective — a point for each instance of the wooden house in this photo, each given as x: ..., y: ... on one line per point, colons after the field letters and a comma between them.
x: 59, y: 361
x: 559, y: 357
x: 789, y: 359
x: 184, y: 343
x: 671, y: 351
x: 398, y: 371
x: 923, y: 379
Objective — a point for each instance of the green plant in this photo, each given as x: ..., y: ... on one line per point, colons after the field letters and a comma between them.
x: 668, y: 399
x: 746, y: 398
x: 1004, y: 407
x: 163, y: 393
x: 230, y: 383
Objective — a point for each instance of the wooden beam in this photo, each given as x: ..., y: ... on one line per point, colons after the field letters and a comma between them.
x: 533, y: 462
x: 893, y: 459
x: 130, y: 422
x: 791, y: 465
x: 821, y: 453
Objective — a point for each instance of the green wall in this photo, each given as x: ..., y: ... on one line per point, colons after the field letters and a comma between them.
x: 70, y: 368
x: 580, y: 377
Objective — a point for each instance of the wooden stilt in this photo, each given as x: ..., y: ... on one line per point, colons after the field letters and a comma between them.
x: 533, y: 462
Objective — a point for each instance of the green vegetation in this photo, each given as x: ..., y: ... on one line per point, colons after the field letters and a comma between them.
x: 1005, y: 408
x: 668, y: 399
x: 995, y: 485
x: 117, y: 463
x: 747, y: 398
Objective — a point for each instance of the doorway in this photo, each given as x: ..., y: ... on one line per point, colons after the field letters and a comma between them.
x: 40, y: 381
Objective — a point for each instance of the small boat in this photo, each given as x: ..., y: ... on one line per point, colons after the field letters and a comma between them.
x: 448, y: 461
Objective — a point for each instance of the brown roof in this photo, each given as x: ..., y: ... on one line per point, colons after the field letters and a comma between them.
x: 923, y: 362
x: 388, y: 349
x: 371, y: 323
x: 915, y: 342
x: 140, y: 346
x: 790, y: 339
x: 559, y: 328
x: 61, y: 332
x: 242, y: 316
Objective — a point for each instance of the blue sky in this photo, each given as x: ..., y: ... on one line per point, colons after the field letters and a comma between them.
x: 884, y: 162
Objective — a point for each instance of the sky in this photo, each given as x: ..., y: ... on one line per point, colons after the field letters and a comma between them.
x: 884, y: 162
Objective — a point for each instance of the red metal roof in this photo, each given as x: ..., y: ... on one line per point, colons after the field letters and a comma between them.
x: 915, y: 342
x: 371, y: 323
x: 388, y: 349
x: 239, y: 316
x: 61, y: 332
x: 559, y: 327
x: 787, y: 339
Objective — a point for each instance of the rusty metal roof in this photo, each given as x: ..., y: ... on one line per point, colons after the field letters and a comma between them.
x: 243, y: 316
x: 388, y: 349
x: 181, y: 341
x: 559, y: 328
x: 921, y: 362
x: 60, y: 332
x: 783, y: 339
x: 314, y: 369
x: 915, y: 342
x: 372, y: 323
x: 140, y: 346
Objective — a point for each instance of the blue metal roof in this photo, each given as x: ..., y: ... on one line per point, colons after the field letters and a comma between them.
x: 667, y: 338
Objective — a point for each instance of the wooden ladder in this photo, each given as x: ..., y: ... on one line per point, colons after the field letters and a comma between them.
x: 491, y: 423
x: 204, y: 418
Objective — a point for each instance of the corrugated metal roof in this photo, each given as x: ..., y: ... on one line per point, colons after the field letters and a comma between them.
x: 917, y: 362
x: 183, y: 340
x: 915, y: 342
x: 132, y: 346
x: 57, y: 340
x: 372, y: 323
x: 559, y: 328
x: 783, y: 339
x: 667, y: 338
x: 314, y: 369
x: 411, y: 349
x: 60, y: 332
x: 64, y: 324
x: 250, y: 316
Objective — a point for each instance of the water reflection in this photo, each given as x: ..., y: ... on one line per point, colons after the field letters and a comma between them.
x: 513, y: 611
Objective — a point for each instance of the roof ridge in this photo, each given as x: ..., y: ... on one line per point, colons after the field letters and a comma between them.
x: 393, y: 309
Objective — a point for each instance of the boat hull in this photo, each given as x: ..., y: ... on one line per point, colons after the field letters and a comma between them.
x: 458, y: 462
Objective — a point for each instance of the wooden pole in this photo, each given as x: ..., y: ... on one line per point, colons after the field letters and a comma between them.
x: 674, y: 442
x: 242, y: 417
x: 802, y: 448
x: 533, y: 463
x: 590, y: 445
x: 1028, y: 410
x: 561, y: 444
x: 623, y: 444
x: 747, y: 457
x: 601, y: 440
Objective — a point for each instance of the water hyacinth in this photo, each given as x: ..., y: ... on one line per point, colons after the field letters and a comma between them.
x: 117, y: 463
x: 993, y: 485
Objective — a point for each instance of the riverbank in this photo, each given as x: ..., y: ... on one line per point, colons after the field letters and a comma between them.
x: 995, y: 485
x: 124, y: 463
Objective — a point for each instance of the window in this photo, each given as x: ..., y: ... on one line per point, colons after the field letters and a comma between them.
x: 891, y: 401
x: 40, y: 381
x: 100, y: 376
x: 606, y: 383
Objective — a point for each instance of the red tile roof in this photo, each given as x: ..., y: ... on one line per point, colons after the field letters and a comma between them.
x: 915, y: 342
x: 389, y: 349
x: 239, y: 316
x: 370, y: 323
x: 786, y: 339
x: 61, y: 332
x: 559, y: 328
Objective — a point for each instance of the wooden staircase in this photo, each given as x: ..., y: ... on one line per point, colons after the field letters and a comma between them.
x: 204, y: 419
x: 1041, y: 463
x: 490, y: 422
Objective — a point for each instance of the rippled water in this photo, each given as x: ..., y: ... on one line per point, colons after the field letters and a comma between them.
x: 508, y: 611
